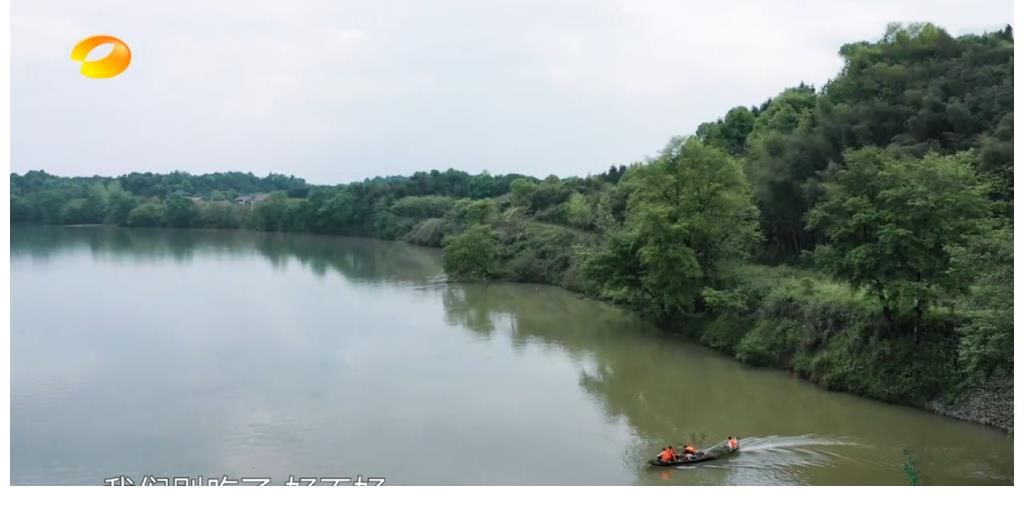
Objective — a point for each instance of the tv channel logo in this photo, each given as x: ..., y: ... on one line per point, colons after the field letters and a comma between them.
x: 109, y: 66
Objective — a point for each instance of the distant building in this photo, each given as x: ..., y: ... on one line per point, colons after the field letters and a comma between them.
x: 252, y: 199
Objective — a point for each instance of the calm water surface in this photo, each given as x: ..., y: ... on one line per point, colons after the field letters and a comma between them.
x: 187, y: 353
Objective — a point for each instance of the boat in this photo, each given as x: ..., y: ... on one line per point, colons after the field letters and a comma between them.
x: 715, y: 452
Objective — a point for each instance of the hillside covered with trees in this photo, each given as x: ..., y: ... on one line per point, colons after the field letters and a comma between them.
x: 859, y: 234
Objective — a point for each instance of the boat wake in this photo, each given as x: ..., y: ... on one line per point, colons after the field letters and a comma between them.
x: 782, y: 456
x: 783, y: 443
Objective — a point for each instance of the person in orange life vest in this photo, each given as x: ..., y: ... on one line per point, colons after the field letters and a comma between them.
x: 665, y: 455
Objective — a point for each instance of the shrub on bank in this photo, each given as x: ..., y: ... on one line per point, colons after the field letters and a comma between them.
x: 535, y: 252
x: 429, y: 232
x: 834, y: 336
x: 473, y: 254
x: 523, y: 250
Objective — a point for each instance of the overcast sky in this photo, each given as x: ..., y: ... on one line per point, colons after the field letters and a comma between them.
x: 337, y: 91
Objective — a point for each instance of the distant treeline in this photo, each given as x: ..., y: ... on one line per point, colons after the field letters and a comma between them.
x: 888, y: 192
x: 241, y: 200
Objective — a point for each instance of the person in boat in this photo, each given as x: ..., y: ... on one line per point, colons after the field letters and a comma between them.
x: 733, y: 443
x: 665, y: 455
x: 689, y: 450
x: 668, y: 454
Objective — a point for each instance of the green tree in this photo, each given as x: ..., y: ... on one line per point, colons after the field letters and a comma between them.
x: 297, y: 215
x: 785, y: 153
x: 121, y: 203
x: 522, y: 191
x: 729, y: 133
x: 474, y: 212
x: 79, y: 211
x: 180, y: 212
x: 690, y: 213
x: 337, y: 214
x: 268, y: 214
x: 220, y: 214
x: 89, y: 209
x: 472, y: 254
x: 149, y: 214
x: 890, y: 222
x: 578, y: 211
x: 986, y: 263
x: 995, y: 160
x: 422, y: 206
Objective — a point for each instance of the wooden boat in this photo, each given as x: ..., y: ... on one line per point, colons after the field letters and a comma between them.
x: 715, y: 452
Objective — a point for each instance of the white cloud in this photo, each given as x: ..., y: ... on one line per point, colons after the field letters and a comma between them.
x: 338, y: 91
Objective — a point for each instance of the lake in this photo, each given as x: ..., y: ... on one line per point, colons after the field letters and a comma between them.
x: 187, y: 353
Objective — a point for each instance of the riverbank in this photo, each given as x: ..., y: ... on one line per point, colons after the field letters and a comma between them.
x: 796, y: 320
x: 833, y: 336
x: 989, y: 404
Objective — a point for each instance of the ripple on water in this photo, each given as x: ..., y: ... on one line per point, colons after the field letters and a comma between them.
x: 778, y: 459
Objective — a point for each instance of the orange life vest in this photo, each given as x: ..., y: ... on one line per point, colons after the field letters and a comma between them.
x: 664, y: 456
x: 689, y: 449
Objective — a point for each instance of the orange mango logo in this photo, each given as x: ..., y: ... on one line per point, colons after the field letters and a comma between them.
x: 109, y: 66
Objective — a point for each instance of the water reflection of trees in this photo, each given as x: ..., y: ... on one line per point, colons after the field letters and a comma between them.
x: 667, y: 390
x: 631, y: 367
x: 357, y: 259
x: 662, y: 389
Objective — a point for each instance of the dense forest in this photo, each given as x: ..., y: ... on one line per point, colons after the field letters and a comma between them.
x: 859, y: 234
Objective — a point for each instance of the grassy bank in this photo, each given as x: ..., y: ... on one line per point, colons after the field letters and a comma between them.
x: 796, y: 320
x: 835, y: 337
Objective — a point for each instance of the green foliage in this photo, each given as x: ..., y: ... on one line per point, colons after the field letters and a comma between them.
x: 149, y: 214
x: 536, y: 252
x: 578, y: 211
x: 80, y: 211
x: 916, y: 90
x: 614, y: 174
x: 385, y: 207
x: 546, y: 195
x: 922, y: 89
x: 987, y: 260
x: 831, y: 334
x: 162, y: 185
x: 422, y: 207
x: 296, y: 216
x: 884, y: 366
x: 995, y: 160
x: 891, y: 221
x: 180, y: 212
x: 786, y: 152
x: 474, y: 212
x: 690, y: 211
x: 429, y: 232
x: 772, y: 342
x: 472, y: 254
x: 338, y: 214
x: 788, y: 112
x: 730, y: 133
x: 221, y: 214
x: 120, y: 203
x: 269, y: 215
x: 521, y: 190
